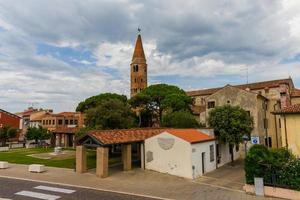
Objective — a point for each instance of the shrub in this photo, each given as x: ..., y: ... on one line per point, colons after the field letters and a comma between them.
x: 276, y: 166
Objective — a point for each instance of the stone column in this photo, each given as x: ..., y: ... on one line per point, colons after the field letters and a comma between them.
x: 126, y: 157
x: 102, y: 162
x: 142, y: 155
x: 80, y: 159
x: 59, y: 140
x: 66, y: 140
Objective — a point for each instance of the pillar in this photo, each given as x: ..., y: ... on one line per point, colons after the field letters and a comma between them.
x: 126, y: 157
x: 80, y: 159
x: 142, y: 153
x: 66, y: 140
x: 59, y: 140
x: 102, y: 162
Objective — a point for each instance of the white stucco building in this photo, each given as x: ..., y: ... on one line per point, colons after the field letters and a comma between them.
x: 186, y: 153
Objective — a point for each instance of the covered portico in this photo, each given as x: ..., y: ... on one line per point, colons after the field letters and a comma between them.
x: 104, y: 141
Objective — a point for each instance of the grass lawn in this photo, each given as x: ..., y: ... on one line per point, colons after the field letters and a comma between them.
x: 20, y: 156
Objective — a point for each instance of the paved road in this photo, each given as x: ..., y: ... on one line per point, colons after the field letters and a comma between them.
x: 30, y: 190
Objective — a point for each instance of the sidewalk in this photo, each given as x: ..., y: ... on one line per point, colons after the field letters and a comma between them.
x: 136, y: 181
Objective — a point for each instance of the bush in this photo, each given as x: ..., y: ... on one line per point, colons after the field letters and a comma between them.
x: 276, y: 166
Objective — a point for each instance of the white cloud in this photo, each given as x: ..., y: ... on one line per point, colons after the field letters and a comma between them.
x: 201, y: 39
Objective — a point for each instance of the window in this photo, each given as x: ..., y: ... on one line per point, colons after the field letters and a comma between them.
x: 60, y: 121
x: 248, y: 112
x: 76, y: 121
x: 228, y: 101
x: 269, y: 140
x: 66, y: 122
x: 135, y: 68
x: 135, y: 80
x: 212, y: 153
x: 211, y: 104
x: 141, y: 80
x: 71, y: 121
x: 53, y: 122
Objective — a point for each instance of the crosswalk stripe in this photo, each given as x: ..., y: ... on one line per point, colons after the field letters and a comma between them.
x: 38, y: 195
x: 55, y: 189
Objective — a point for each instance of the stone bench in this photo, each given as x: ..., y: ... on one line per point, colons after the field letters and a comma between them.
x: 3, y: 165
x: 36, y: 168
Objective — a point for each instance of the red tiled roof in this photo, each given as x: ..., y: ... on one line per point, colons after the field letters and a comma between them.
x: 251, y: 86
x: 295, y: 93
x: 293, y: 109
x: 118, y: 136
x: 190, y: 135
x: 65, y: 130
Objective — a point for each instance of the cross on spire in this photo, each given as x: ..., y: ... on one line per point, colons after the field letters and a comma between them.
x: 139, y: 29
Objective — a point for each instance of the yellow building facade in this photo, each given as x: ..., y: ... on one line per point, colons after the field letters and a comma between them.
x: 290, y: 128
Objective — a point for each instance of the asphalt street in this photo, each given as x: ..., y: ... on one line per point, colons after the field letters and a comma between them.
x: 30, y: 190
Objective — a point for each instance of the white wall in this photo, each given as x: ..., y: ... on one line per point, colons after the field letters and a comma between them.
x: 175, y: 160
x: 197, y: 150
x: 225, y: 154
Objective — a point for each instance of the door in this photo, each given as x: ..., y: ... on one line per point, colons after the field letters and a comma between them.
x: 203, y: 163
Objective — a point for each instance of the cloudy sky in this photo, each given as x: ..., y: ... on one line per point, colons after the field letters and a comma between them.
x: 55, y: 53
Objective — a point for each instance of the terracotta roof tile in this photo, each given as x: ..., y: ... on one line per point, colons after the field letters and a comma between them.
x: 118, y: 136
x: 252, y: 86
x: 190, y: 135
x: 293, y: 109
x: 65, y: 130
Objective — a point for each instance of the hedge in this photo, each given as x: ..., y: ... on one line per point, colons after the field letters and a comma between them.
x: 278, y: 167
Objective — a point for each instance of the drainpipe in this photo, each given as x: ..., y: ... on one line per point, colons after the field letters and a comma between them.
x: 265, y: 123
x: 276, y: 125
x: 285, y: 130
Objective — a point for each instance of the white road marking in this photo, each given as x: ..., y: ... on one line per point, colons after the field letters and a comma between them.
x: 38, y: 195
x: 87, y: 187
x: 55, y: 189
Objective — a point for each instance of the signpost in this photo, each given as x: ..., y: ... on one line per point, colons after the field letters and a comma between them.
x: 254, y: 140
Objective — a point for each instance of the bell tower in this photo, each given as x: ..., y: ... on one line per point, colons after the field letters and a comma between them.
x: 138, y: 68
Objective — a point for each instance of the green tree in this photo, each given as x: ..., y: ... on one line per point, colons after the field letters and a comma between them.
x: 110, y: 114
x: 94, y: 101
x: 6, y: 133
x: 37, y: 134
x: 156, y: 100
x: 82, y: 131
x: 230, y: 124
x: 180, y: 119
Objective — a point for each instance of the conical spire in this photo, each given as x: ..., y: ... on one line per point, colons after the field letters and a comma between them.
x: 139, y: 55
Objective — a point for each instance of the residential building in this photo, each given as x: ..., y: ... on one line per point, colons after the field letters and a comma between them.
x: 9, y: 119
x: 63, y: 127
x: 31, y: 118
x: 290, y: 127
x: 138, y: 68
x: 260, y: 99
